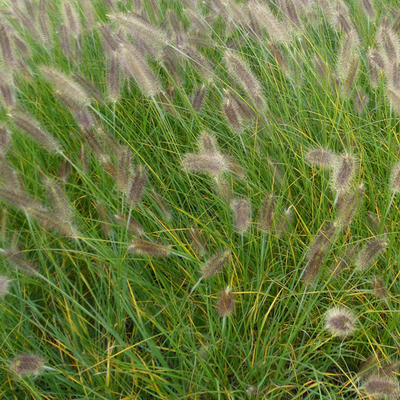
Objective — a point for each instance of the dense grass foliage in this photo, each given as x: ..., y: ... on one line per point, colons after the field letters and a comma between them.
x: 199, y: 199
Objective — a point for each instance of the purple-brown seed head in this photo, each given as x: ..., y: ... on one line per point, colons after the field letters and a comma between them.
x: 340, y: 321
x: 225, y: 303
x: 27, y: 364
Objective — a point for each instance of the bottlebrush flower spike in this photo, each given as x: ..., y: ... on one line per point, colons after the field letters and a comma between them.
x: 137, y: 186
x: 381, y: 387
x: 148, y: 248
x: 198, y: 98
x: 348, y: 204
x: 379, y: 287
x: 321, y: 158
x: 32, y: 129
x: 343, y: 171
x: 369, y: 253
x: 69, y: 90
x: 368, y: 9
x: 241, y: 72
x: 225, y: 303
x: 261, y: 13
x: 395, y: 178
x: 131, y: 225
x: 215, y: 264
x: 18, y: 261
x: 27, y: 365
x: 207, y: 143
x: 213, y: 164
x: 340, y: 321
x: 265, y: 219
x: 317, y: 252
x: 242, y: 214
x: 4, y: 285
x: 135, y: 66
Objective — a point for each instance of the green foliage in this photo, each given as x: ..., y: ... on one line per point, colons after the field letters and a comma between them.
x: 111, y: 324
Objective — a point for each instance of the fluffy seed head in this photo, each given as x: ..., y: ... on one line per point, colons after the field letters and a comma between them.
x: 198, y: 98
x: 340, y: 321
x: 321, y: 158
x: 140, y: 28
x: 314, y: 264
x: 59, y: 200
x: 369, y: 253
x: 90, y: 88
x: 382, y: 387
x: 207, y: 143
x: 215, y: 264
x: 348, y: 62
x: 394, y: 99
x: 5, y: 47
x: 264, y: 17
x: 242, y: 214
x: 395, y: 178
x: 32, y: 129
x: 7, y: 89
x: 389, y: 42
x: 266, y: 214
x: 348, y: 204
x: 137, y: 186
x: 225, y: 303
x: 68, y: 90
x: 379, y: 287
x: 4, y: 140
x: 132, y: 226
x: 71, y: 19
x: 148, y: 248
x: 18, y: 261
x: 285, y: 221
x: 317, y: 252
x: 368, y: 9
x: 27, y: 364
x: 291, y: 13
x: 343, y: 172
x: 232, y: 114
x: 4, y: 284
x: 241, y: 72
x: 376, y: 65
x: 135, y: 65
x: 280, y: 59
x: 212, y: 164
